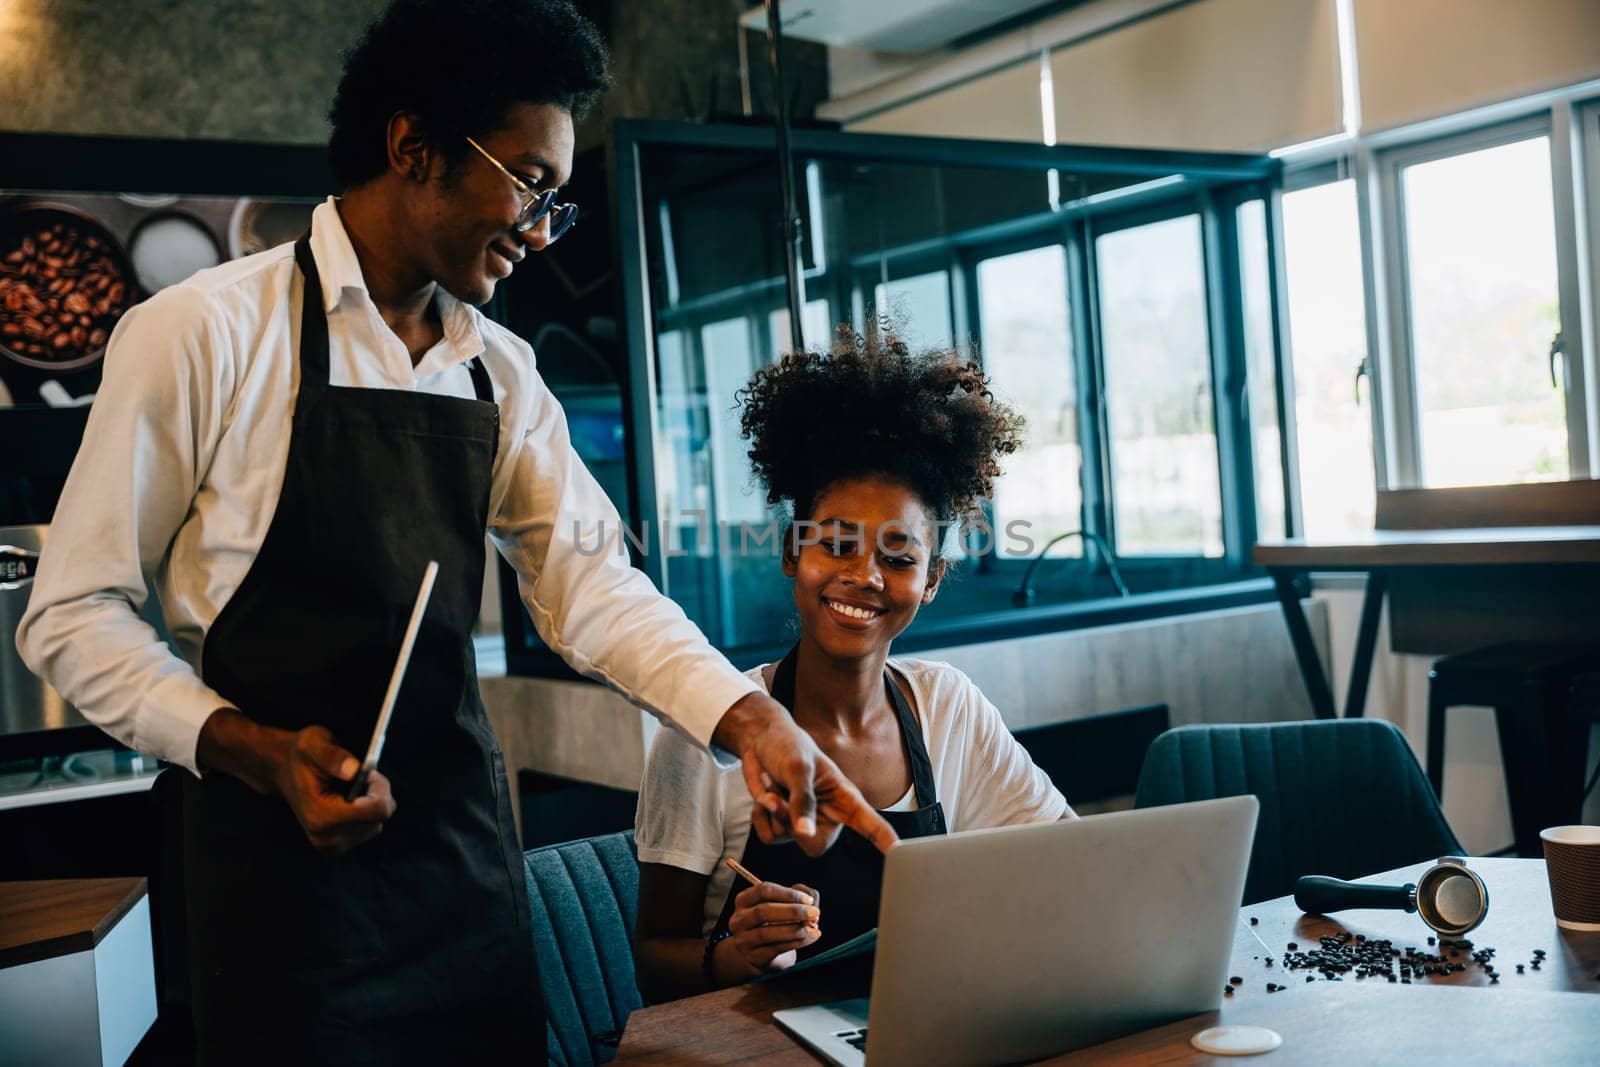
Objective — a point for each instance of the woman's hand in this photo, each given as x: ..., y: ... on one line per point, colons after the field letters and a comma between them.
x: 769, y: 925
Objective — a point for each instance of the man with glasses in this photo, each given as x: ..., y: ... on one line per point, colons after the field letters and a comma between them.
x: 280, y: 446
x: 535, y: 204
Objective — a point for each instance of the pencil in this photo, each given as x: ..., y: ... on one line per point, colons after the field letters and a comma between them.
x: 744, y: 872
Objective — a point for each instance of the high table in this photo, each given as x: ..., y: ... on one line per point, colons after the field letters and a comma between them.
x: 77, y: 974
x: 1451, y: 590
x: 1543, y: 1016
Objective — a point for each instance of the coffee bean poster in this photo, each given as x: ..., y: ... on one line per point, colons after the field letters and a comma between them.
x: 72, y: 264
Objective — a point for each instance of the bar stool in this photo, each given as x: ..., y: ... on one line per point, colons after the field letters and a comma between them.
x: 1585, y: 699
x: 1543, y: 740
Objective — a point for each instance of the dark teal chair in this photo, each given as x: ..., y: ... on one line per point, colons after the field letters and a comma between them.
x: 1342, y: 797
x: 584, y: 896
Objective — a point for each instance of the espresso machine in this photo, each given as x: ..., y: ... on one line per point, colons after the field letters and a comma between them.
x: 29, y: 709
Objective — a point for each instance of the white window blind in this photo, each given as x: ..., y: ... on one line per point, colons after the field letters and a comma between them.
x: 1419, y: 59
x: 1224, y: 75
x: 1001, y: 106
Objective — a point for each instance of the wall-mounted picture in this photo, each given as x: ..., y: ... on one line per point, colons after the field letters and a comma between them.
x: 71, y: 265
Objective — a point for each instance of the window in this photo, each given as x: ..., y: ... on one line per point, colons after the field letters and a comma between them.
x: 815, y: 322
x: 1026, y: 345
x: 1156, y: 354
x: 1261, y: 369
x: 1484, y: 302
x: 677, y: 487
x: 729, y: 360
x: 1092, y: 318
x: 1328, y: 342
x: 921, y: 304
x: 1434, y: 282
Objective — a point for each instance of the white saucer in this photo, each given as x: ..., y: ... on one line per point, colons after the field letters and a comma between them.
x: 1236, y: 1040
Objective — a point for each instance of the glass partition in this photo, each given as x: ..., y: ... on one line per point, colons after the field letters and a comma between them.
x: 1104, y: 331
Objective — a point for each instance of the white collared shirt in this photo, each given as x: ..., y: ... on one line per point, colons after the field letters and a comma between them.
x: 180, y: 469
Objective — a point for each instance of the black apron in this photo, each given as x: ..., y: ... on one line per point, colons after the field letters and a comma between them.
x: 415, y: 947
x: 849, y: 876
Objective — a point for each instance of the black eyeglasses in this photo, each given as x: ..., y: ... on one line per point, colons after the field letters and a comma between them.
x: 535, y: 204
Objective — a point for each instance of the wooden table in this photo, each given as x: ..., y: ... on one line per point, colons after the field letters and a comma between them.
x: 1453, y: 589
x: 1465, y: 566
x: 1537, y: 1016
x: 77, y: 975
x: 54, y: 917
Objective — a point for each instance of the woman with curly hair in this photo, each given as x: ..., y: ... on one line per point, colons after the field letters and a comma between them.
x: 877, y: 451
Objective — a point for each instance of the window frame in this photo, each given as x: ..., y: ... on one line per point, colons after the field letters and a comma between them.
x: 1226, y: 582
x: 1228, y: 208
x: 1401, y: 357
x: 1576, y: 144
x: 1225, y: 371
x: 1570, y: 118
x: 969, y: 258
x: 1299, y: 180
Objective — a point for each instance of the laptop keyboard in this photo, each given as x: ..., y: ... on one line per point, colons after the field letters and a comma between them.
x: 856, y: 1039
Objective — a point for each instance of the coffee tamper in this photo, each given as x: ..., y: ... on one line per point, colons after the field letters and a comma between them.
x: 1449, y: 897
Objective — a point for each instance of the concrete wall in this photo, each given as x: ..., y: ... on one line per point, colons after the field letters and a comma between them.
x: 255, y: 70
x: 265, y: 70
x: 679, y: 60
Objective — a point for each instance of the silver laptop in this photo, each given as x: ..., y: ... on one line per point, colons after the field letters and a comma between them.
x: 996, y: 946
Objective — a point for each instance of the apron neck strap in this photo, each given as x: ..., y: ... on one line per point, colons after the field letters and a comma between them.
x: 481, y: 386
x: 783, y: 683
x: 313, y: 331
x: 916, y: 747
x: 314, y: 336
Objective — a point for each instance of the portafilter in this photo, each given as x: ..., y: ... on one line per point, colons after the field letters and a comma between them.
x: 1449, y: 897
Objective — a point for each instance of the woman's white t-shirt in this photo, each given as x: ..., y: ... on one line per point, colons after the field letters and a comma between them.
x: 693, y: 814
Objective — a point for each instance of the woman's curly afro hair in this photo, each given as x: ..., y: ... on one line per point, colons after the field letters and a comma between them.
x: 460, y: 65
x: 870, y: 406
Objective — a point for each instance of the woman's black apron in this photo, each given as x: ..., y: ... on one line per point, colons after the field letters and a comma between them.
x: 849, y: 876
x: 414, y: 947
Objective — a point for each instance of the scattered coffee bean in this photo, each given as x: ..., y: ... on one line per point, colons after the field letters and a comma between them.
x: 1236, y: 980
x: 1311, y: 978
x: 1340, y: 955
x: 1227, y: 990
x: 1272, y: 987
x: 1254, y: 921
x: 1519, y: 968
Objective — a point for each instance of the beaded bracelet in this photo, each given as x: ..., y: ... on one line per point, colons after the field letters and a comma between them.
x: 706, y: 961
